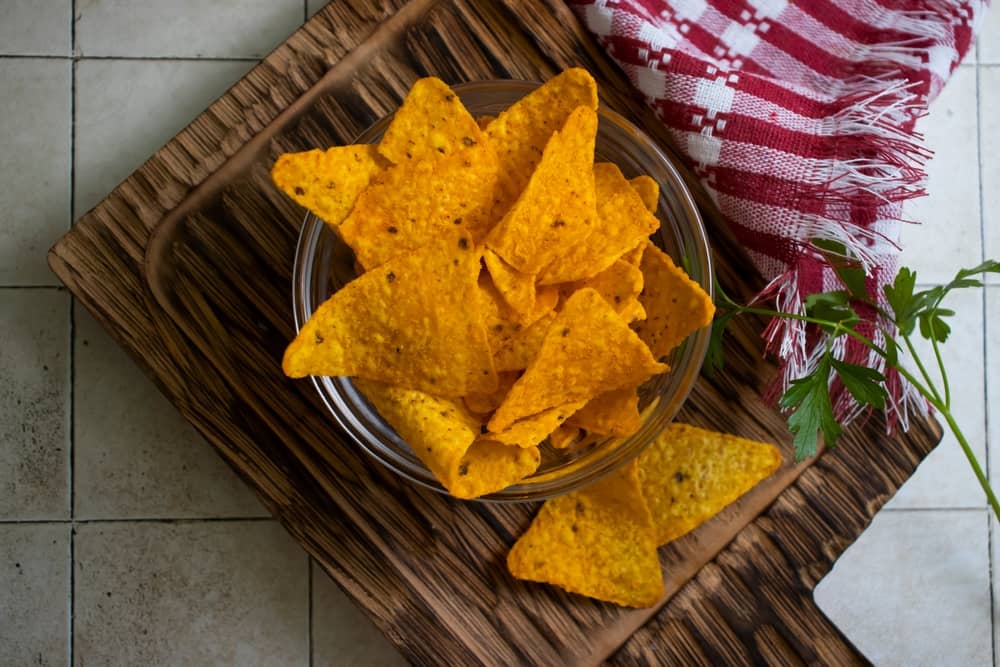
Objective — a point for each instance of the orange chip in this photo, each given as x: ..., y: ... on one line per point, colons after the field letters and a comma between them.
x: 622, y: 223
x: 648, y: 190
x: 556, y: 210
x: 518, y: 289
x: 564, y: 436
x: 485, y: 403
x: 419, y: 200
x: 328, y: 182
x: 676, y: 306
x: 519, y: 351
x: 587, y: 350
x: 689, y: 475
x: 431, y: 122
x: 596, y: 542
x: 619, y: 285
x: 399, y: 323
x: 501, y: 323
x: 521, y: 133
x: 611, y: 413
x: 441, y: 434
x: 634, y: 256
x: 530, y: 431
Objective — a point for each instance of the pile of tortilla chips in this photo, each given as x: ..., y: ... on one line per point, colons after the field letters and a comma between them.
x: 602, y: 541
x: 510, y: 295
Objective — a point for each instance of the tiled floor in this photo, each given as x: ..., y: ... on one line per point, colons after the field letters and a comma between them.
x: 123, y: 537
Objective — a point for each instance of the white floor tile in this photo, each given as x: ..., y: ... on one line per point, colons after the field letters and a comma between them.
x: 216, y: 593
x: 184, y: 28
x: 126, y: 110
x: 993, y: 383
x: 342, y: 634
x: 34, y: 404
x: 915, y: 590
x: 949, y: 236
x: 35, y: 27
x: 34, y: 171
x: 134, y: 456
x: 34, y: 594
x: 316, y: 5
x: 945, y: 478
x: 989, y: 93
x: 989, y: 37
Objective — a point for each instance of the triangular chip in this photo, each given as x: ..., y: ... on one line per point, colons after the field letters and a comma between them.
x: 501, y: 322
x: 398, y: 324
x: 557, y: 209
x: 521, y: 133
x: 622, y: 222
x: 619, y: 285
x: 588, y: 349
x: 518, y: 289
x: 520, y: 350
x: 420, y: 200
x: 611, y: 413
x: 676, y: 306
x: 328, y: 182
x: 431, y: 121
x: 530, y: 431
x: 483, y: 404
x: 564, y: 436
x: 596, y: 542
x: 689, y: 474
x: 634, y: 256
x: 441, y: 434
x: 648, y: 191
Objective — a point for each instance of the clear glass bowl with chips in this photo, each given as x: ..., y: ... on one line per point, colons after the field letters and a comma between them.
x: 324, y: 263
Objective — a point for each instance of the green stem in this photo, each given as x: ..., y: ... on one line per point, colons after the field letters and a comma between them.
x: 944, y: 375
x: 812, y: 320
x: 923, y: 371
x: 976, y: 468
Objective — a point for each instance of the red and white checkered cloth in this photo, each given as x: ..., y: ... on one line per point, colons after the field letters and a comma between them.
x: 798, y: 117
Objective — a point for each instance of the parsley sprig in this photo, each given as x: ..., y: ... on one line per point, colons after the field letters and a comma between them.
x: 910, y: 313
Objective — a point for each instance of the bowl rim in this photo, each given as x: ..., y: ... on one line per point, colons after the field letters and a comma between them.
x: 552, y: 485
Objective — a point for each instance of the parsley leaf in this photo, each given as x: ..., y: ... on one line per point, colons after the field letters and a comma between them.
x: 866, y: 385
x: 932, y: 324
x: 835, y: 308
x: 808, y: 399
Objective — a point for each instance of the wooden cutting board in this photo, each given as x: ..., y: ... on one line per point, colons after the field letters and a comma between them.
x: 188, y: 264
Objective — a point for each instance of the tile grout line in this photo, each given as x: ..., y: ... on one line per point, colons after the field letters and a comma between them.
x: 305, y: 17
x: 72, y: 345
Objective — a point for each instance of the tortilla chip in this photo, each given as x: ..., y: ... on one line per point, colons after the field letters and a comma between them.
x: 689, y: 475
x: 596, y: 542
x: 564, y: 436
x: 501, y: 323
x: 622, y: 223
x: 676, y: 306
x: 556, y: 210
x: 619, y: 285
x: 328, y: 182
x: 530, y: 431
x: 634, y: 256
x: 648, y: 191
x: 441, y: 434
x: 432, y: 121
x: 634, y: 312
x: 611, y: 413
x: 518, y: 289
x: 521, y: 133
x: 398, y: 324
x: 519, y: 351
x: 485, y: 403
x: 419, y: 200
x: 587, y: 350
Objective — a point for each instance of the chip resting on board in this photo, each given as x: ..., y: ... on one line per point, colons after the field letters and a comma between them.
x: 675, y: 305
x: 420, y: 200
x: 442, y: 433
x: 611, y: 413
x: 622, y: 222
x: 556, y: 210
x: 588, y: 349
x: 328, y: 182
x: 398, y: 324
x: 690, y: 474
x: 596, y: 542
x: 432, y: 121
x: 521, y: 133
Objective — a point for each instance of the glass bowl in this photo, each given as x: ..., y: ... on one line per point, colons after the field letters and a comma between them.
x: 323, y: 263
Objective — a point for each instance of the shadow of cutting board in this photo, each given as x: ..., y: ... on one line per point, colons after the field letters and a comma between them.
x: 188, y: 264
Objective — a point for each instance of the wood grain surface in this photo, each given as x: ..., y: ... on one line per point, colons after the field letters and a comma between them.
x: 188, y: 264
